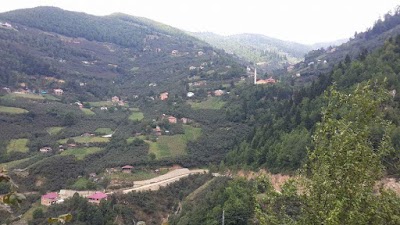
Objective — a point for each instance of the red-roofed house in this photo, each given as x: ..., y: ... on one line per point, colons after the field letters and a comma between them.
x: 267, y: 81
x: 164, y: 96
x: 127, y: 169
x: 172, y: 119
x: 115, y: 99
x: 219, y: 92
x: 49, y: 198
x: 97, y: 197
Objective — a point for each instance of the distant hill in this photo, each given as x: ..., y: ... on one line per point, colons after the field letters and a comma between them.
x: 269, y: 53
x: 329, y: 43
x: 357, y: 47
x: 124, y: 53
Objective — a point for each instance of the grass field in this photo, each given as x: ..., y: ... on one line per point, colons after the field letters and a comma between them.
x: 18, y: 145
x: 88, y: 112
x: 17, y: 95
x: 136, y: 116
x: 170, y: 146
x: 101, y: 103
x: 80, y: 184
x: 103, y: 130
x: 51, y: 97
x: 80, y: 153
x: 54, y: 130
x: 210, y: 103
x: 83, y: 140
x: 11, y: 164
x: 12, y: 110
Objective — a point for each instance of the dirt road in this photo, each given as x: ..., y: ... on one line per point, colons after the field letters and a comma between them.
x: 160, y: 181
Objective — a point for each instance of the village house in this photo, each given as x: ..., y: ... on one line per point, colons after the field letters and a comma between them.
x: 127, y: 169
x: 45, y: 149
x: 164, y: 96
x: 157, y: 130
x: 218, y: 92
x: 71, y: 145
x: 174, y: 52
x: 58, y: 91
x: 192, y: 68
x: 6, y: 89
x: 190, y: 94
x: 49, y: 198
x: 7, y: 25
x: 185, y: 120
x: 267, y: 81
x: 115, y: 99
x: 80, y: 105
x: 87, y: 135
x: 172, y: 119
x: 97, y: 197
x: 103, y: 108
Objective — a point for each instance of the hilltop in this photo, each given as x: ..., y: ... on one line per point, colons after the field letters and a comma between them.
x: 268, y: 53
x: 128, y: 51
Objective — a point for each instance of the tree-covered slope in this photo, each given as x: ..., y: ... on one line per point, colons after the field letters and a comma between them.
x: 357, y: 47
x: 131, y: 52
x: 269, y: 53
x: 286, y: 117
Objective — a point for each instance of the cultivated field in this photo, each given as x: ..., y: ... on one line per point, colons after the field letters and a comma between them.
x: 80, y: 153
x: 18, y: 145
x: 12, y: 110
x: 210, y: 103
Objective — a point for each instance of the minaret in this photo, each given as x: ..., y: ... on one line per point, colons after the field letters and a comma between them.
x: 255, y: 75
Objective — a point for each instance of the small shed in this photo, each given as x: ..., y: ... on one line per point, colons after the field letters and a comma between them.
x: 127, y: 169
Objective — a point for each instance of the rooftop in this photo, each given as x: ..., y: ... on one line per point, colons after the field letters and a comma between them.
x: 51, y: 195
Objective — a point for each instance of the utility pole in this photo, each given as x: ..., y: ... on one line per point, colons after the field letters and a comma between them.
x: 223, y: 217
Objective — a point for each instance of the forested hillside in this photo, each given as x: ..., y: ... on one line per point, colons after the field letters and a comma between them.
x: 268, y: 53
x: 287, y: 117
x: 357, y: 47
x: 341, y: 133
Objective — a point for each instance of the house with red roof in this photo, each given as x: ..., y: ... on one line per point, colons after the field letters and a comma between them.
x: 97, y: 197
x: 49, y: 198
x: 127, y: 169
x: 172, y: 119
x: 164, y: 96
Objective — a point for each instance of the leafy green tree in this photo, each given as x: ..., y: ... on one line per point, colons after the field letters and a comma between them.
x: 345, y: 163
x: 37, y: 213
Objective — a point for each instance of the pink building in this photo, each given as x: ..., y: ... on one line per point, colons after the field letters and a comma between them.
x: 97, y: 197
x: 49, y: 198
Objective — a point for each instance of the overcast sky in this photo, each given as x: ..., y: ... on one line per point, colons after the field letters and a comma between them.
x: 304, y: 21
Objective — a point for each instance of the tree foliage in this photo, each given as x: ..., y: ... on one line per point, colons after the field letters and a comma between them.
x: 346, y: 161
